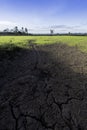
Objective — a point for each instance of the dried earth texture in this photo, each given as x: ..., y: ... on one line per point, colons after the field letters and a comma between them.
x: 43, y: 88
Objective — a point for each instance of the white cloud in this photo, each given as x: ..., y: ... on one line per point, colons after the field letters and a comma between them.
x: 7, y: 23
x: 58, y: 28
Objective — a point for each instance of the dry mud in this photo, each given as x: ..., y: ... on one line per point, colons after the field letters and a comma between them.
x: 43, y: 88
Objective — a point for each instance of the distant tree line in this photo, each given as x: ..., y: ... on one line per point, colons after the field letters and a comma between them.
x: 24, y: 31
x: 15, y: 31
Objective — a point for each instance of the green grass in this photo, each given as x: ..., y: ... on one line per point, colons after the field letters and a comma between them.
x: 21, y: 41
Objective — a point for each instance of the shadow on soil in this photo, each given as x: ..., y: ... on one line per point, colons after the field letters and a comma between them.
x: 43, y: 88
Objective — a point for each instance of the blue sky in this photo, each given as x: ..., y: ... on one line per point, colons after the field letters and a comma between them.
x: 43, y: 15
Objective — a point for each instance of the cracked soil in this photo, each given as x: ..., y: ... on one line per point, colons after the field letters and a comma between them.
x: 43, y: 88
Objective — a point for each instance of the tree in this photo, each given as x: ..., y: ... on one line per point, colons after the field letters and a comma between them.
x: 26, y: 30
x: 22, y: 29
x: 6, y: 30
x: 69, y: 33
x: 51, y: 31
x: 16, y: 29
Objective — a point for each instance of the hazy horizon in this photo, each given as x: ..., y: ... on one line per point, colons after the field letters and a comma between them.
x: 39, y: 16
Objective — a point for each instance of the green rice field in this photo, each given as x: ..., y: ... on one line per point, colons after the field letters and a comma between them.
x: 21, y: 41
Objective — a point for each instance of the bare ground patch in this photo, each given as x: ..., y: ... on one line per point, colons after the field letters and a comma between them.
x: 43, y: 88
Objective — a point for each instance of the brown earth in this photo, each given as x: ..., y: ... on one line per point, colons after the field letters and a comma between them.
x: 43, y: 88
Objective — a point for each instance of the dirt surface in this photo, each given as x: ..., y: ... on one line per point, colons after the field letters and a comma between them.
x: 43, y: 88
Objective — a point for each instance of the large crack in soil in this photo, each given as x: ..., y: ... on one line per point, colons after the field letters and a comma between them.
x: 44, y: 89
